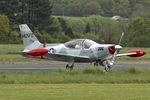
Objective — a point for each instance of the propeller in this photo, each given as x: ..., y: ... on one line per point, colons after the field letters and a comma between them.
x: 117, y: 48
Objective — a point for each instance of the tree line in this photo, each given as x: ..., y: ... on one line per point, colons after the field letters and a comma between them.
x: 92, y: 21
x: 107, y: 8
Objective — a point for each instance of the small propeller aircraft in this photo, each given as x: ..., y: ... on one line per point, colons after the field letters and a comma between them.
x: 75, y: 51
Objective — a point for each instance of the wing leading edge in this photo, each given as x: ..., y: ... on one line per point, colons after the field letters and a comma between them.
x: 65, y: 57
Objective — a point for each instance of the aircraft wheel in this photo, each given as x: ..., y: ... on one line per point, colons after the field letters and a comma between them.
x: 71, y: 67
x: 67, y: 66
x: 107, y: 68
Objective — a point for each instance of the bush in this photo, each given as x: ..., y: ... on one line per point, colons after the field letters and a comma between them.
x: 4, y: 29
x: 132, y: 70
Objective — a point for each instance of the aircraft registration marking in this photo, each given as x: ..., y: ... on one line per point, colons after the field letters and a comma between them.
x: 100, y: 48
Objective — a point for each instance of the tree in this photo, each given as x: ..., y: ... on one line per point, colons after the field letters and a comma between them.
x: 36, y: 13
x: 74, y: 9
x: 87, y: 28
x: 139, y: 32
x: 141, y: 8
x: 58, y: 10
x: 69, y: 32
x: 92, y: 8
x: 55, y: 26
x: 107, y: 6
x: 4, y: 28
x: 39, y: 13
x: 121, y: 8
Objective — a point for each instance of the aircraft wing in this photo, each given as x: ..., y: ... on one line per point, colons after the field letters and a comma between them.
x: 131, y: 53
x: 126, y: 54
x: 67, y: 57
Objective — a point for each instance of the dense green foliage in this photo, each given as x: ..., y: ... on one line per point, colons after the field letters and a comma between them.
x: 138, y: 32
x: 75, y: 91
x: 31, y: 12
x: 4, y: 28
x: 94, y: 22
x: 93, y: 27
x: 124, y: 8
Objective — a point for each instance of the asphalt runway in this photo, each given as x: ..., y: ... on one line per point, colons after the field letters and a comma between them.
x: 50, y: 66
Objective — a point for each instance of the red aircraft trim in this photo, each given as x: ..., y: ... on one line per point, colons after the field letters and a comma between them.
x: 37, y: 52
x: 111, y: 49
x: 133, y: 53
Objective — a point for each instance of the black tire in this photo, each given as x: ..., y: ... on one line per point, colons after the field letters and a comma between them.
x: 106, y: 69
x: 71, y: 67
x: 67, y: 66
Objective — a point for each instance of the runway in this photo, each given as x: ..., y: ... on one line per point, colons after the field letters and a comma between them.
x: 52, y: 65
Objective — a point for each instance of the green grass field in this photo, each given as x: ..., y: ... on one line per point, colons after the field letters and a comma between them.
x: 89, y: 84
x: 4, y: 57
x: 94, y: 75
x: 74, y: 91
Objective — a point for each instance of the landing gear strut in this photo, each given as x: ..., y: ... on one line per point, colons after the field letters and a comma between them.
x: 104, y: 64
x: 107, y: 68
x: 68, y: 66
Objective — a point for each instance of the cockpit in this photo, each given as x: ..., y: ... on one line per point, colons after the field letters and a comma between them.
x: 80, y: 44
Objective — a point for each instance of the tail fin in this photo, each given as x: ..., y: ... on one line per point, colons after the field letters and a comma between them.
x: 29, y: 39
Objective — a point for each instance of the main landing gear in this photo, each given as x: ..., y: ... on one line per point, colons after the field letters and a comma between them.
x: 69, y: 66
x: 104, y: 64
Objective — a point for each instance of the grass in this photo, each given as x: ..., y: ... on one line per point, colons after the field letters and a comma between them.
x: 89, y: 84
x: 5, y: 57
x: 74, y: 91
x: 76, y: 76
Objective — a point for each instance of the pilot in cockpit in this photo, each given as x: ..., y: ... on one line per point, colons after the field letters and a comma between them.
x: 78, y: 45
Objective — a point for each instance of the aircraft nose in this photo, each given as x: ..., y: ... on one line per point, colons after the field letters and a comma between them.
x: 111, y: 49
x: 118, y: 47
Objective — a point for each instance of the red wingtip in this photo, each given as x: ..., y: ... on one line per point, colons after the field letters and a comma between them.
x: 138, y: 52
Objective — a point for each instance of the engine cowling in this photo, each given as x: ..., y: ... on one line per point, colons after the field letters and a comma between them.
x: 111, y: 49
x: 138, y: 53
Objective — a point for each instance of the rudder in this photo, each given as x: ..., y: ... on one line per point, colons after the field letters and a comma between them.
x: 29, y: 39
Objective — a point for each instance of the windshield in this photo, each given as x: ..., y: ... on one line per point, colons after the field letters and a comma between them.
x: 88, y: 43
x: 75, y: 44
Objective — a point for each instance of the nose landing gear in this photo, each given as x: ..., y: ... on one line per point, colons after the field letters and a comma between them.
x: 104, y: 64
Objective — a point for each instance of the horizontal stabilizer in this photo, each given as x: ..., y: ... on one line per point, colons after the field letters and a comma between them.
x: 19, y: 53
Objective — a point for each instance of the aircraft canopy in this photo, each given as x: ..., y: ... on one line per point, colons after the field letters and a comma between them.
x: 80, y: 43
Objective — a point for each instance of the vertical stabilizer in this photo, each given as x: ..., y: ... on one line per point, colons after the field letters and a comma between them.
x: 29, y: 39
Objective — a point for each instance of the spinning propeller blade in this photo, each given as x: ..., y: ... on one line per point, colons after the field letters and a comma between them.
x: 117, y: 48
